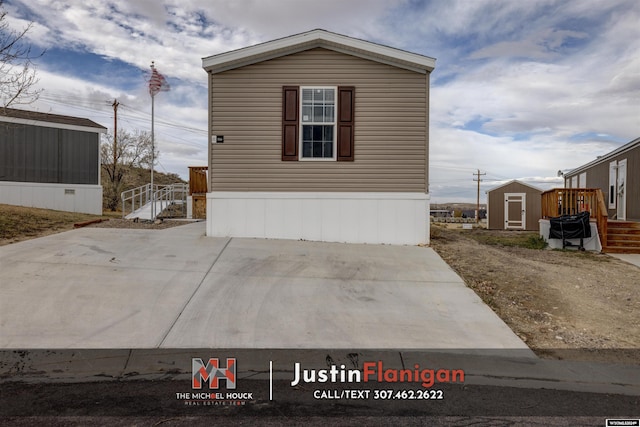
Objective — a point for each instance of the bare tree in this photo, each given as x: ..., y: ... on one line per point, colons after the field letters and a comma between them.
x: 132, y: 151
x: 17, y: 71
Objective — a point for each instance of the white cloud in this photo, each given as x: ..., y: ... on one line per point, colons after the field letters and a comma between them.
x: 515, y: 82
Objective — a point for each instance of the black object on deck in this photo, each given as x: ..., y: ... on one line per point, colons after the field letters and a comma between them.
x: 570, y: 227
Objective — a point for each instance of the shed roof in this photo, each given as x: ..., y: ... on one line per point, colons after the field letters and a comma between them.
x: 314, y: 39
x: 511, y: 182
x: 12, y: 115
x: 626, y: 147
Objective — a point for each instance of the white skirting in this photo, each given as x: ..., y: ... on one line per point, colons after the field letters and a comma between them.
x: 61, y: 197
x: 390, y: 218
x: 589, y: 243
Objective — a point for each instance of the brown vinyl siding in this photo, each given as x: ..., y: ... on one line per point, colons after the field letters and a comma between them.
x: 391, y: 107
x: 598, y: 177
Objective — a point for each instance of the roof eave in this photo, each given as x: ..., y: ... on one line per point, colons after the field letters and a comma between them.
x: 533, y: 187
x: 55, y: 125
x: 626, y: 147
x: 314, y: 39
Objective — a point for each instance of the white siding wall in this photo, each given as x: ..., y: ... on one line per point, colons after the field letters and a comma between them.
x: 60, y: 197
x: 390, y: 218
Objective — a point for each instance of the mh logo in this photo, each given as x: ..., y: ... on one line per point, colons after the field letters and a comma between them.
x: 212, y: 372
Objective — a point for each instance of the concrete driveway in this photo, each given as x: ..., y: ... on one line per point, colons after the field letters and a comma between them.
x: 115, y: 288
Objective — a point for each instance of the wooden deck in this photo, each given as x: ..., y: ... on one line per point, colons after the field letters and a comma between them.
x: 615, y: 236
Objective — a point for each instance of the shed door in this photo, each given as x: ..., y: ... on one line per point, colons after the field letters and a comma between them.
x: 622, y: 190
x: 515, y: 211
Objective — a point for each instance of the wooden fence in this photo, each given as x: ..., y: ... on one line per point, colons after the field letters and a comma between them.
x: 198, y: 191
x: 197, y: 179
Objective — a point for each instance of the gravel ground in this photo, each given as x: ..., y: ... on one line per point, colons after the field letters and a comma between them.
x: 563, y: 304
x: 140, y: 224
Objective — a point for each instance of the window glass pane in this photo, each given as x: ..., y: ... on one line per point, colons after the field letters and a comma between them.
x: 328, y: 149
x: 307, y: 95
x: 306, y: 113
x: 317, y: 133
x: 318, y: 115
x: 318, y: 96
x: 328, y: 113
x: 328, y: 133
x: 306, y: 148
x: 329, y: 95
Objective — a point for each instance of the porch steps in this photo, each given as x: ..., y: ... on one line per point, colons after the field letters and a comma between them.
x: 623, y: 237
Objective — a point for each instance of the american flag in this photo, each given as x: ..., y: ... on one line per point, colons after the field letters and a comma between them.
x: 157, y: 82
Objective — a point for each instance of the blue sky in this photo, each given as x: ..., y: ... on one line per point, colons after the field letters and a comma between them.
x: 521, y: 89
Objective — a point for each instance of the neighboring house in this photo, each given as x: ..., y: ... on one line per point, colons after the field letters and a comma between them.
x: 514, y: 206
x: 617, y: 174
x: 319, y: 136
x: 50, y: 161
x: 609, y: 189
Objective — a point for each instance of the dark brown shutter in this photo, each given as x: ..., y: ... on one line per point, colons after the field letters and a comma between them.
x: 346, y: 96
x: 290, y: 123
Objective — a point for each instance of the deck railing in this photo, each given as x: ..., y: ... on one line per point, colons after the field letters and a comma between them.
x: 571, y: 201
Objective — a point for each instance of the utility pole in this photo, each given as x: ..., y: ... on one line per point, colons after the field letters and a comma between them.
x: 478, y: 174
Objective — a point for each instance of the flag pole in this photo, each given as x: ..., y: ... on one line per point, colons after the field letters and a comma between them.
x: 157, y: 83
x: 153, y: 150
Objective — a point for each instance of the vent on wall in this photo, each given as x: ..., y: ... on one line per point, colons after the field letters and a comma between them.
x: 69, y: 191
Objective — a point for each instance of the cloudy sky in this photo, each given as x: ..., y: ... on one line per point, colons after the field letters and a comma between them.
x: 521, y: 89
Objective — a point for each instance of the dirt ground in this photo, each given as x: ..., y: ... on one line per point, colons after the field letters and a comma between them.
x: 562, y: 303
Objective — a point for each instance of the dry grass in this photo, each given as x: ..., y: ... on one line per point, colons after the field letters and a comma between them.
x: 19, y: 223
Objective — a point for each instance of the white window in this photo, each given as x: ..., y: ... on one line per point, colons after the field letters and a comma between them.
x: 318, y: 124
x: 582, y: 180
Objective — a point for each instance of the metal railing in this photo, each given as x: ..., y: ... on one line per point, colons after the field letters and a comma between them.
x: 170, y: 195
x: 136, y: 198
x: 163, y: 195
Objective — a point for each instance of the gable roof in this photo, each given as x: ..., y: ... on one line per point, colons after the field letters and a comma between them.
x: 626, y: 147
x: 314, y: 39
x: 12, y: 115
x: 512, y: 182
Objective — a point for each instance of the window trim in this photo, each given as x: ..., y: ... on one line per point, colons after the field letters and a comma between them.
x: 303, y: 124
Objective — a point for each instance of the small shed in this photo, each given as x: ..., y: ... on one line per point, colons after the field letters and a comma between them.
x: 514, y: 206
x: 50, y: 161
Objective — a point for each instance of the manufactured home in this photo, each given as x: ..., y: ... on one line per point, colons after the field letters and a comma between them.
x: 319, y: 136
x: 617, y: 174
x: 609, y: 189
x: 50, y: 161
